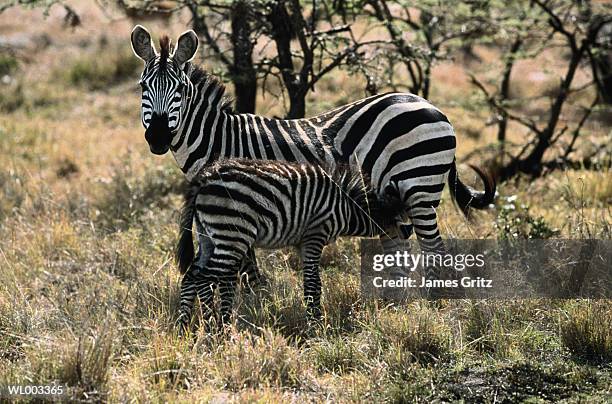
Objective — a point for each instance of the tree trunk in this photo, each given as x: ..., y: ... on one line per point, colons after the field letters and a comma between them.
x: 601, y: 62
x: 602, y: 71
x: 282, y: 30
x: 297, y: 107
x: 532, y: 164
x: 504, y: 94
x: 534, y: 159
x: 243, y: 72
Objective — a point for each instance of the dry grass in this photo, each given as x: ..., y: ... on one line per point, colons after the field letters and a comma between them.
x: 88, y: 292
x: 586, y: 332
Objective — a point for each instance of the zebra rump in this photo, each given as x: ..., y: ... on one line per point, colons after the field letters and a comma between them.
x: 383, y: 210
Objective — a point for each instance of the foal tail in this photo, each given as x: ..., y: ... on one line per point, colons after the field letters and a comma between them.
x: 184, y: 249
x: 466, y: 197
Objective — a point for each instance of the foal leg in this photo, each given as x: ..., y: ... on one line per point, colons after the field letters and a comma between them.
x: 311, y: 257
x: 187, y: 298
x: 189, y: 282
x: 221, y: 271
x: 227, y: 286
x: 206, y: 284
x: 248, y: 272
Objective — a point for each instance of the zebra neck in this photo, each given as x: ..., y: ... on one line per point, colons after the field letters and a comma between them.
x: 205, y: 127
x: 210, y: 130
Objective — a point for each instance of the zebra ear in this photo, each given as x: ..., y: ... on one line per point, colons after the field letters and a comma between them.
x: 186, y: 47
x: 142, y: 44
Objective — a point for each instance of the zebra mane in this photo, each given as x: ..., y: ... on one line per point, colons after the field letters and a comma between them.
x: 354, y: 183
x: 165, y: 48
x: 197, y: 75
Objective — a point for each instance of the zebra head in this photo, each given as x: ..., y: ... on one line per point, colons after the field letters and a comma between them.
x: 165, y: 85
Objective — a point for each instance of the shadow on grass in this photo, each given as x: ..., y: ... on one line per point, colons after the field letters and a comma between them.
x: 514, y: 383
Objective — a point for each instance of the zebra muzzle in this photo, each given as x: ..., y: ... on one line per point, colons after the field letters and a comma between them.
x: 158, y: 134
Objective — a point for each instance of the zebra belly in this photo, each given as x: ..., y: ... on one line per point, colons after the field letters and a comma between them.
x: 270, y: 238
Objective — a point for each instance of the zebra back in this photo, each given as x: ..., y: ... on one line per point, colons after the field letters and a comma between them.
x: 372, y: 212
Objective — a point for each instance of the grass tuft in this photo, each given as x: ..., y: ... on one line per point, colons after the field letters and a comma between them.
x: 337, y: 354
x: 126, y: 197
x: 416, y: 335
x: 82, y: 364
x: 486, y: 330
x: 251, y: 361
x: 586, y: 331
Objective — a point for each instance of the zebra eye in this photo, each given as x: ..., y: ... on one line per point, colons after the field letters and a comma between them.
x: 142, y: 85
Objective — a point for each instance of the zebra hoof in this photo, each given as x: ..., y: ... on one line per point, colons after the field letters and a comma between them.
x: 252, y: 283
x: 314, y: 319
x: 182, y: 326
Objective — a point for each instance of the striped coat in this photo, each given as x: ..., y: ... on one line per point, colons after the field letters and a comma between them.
x: 241, y: 204
x: 401, y: 142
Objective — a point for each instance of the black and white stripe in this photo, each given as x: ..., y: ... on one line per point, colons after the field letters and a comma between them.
x: 242, y: 204
x: 161, y: 96
x: 404, y: 144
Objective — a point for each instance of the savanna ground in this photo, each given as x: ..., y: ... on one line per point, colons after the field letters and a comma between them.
x: 88, y: 290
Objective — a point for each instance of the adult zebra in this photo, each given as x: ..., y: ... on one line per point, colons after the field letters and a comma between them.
x: 404, y: 144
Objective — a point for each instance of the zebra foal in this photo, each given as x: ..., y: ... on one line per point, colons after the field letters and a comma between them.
x: 244, y: 204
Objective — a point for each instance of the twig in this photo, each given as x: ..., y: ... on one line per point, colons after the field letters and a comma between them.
x: 581, y: 123
x: 501, y: 109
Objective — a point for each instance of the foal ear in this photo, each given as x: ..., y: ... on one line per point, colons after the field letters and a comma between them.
x: 186, y: 47
x: 142, y: 44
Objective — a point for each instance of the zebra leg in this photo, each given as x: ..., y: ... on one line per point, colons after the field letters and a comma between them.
x: 248, y: 267
x: 311, y: 258
x: 187, y: 298
x: 249, y: 273
x: 221, y: 271
x: 188, y: 283
x: 426, y: 229
x: 205, y: 285
x: 394, y: 241
x: 431, y: 243
x: 227, y: 286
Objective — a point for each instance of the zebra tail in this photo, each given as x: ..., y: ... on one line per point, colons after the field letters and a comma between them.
x: 465, y: 197
x: 184, y: 249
